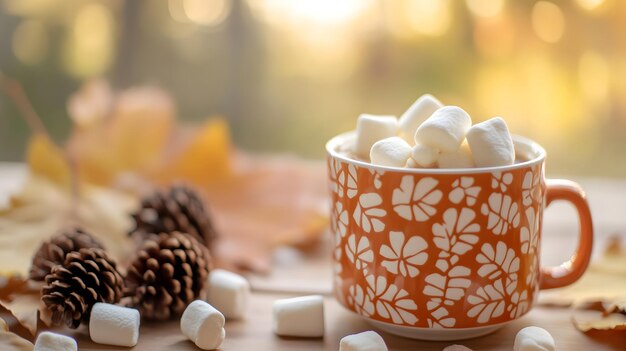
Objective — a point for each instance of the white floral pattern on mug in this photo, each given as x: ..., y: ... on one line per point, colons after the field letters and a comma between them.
x: 436, y: 251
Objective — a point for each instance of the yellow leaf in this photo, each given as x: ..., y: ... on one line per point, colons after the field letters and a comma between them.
x: 205, y: 158
x: 46, y: 160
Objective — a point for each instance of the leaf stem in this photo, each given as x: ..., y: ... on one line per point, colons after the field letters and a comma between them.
x: 15, y: 91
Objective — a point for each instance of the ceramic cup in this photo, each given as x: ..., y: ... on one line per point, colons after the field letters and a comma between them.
x: 443, y: 254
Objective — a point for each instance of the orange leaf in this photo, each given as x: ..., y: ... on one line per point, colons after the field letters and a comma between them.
x: 271, y: 201
x: 129, y: 141
x: 47, y: 160
x: 205, y: 158
x: 141, y: 125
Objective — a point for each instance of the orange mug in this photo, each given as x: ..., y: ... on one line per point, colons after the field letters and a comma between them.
x: 444, y: 254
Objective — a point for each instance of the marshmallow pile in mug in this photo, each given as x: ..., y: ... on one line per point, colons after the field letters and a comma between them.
x: 430, y: 135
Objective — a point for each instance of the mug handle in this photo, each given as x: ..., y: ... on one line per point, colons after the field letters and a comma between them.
x: 568, y: 272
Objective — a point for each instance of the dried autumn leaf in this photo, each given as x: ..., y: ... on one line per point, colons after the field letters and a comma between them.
x: 29, y: 311
x: 14, y: 323
x: 605, y: 279
x: 12, y: 285
x: 596, y: 315
x: 91, y: 104
x: 45, y: 159
x: 41, y: 209
x: 131, y: 139
x: 12, y: 342
x: 204, y: 158
x: 140, y: 126
x: 271, y: 201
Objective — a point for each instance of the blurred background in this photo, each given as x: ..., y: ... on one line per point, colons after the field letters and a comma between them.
x: 288, y: 74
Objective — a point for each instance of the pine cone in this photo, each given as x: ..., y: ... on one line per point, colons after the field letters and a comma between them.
x: 169, y: 272
x: 178, y: 209
x: 53, y: 251
x: 86, y: 277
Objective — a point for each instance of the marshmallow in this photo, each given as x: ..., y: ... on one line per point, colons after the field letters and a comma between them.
x: 366, y: 341
x: 445, y: 129
x: 491, y: 143
x: 370, y: 129
x: 114, y: 325
x: 299, y: 316
x: 410, y: 120
x: 392, y: 152
x: 460, y: 158
x: 229, y: 293
x: 424, y: 156
x: 410, y: 163
x: 203, y: 325
x: 47, y: 341
x: 533, y: 339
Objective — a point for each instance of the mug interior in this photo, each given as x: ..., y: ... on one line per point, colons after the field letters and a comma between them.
x: 528, y: 150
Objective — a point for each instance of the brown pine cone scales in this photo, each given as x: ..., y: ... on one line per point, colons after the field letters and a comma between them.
x: 178, y: 209
x: 53, y: 251
x: 169, y: 272
x: 87, y: 276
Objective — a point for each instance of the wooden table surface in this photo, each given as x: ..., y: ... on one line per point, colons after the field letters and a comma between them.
x: 298, y: 273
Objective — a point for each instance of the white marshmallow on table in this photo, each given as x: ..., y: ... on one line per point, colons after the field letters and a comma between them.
x: 114, y: 325
x: 299, y: 316
x: 460, y: 158
x: 370, y: 129
x: 228, y: 293
x: 392, y: 152
x: 533, y: 339
x: 445, y: 129
x: 365, y: 341
x: 424, y: 156
x: 47, y: 341
x: 410, y: 120
x: 203, y: 325
x: 491, y: 143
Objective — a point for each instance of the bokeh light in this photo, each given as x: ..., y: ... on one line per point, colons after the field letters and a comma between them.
x: 590, y: 4
x: 206, y: 12
x: 485, y: 8
x: 30, y: 42
x: 548, y: 21
x: 90, y: 48
x: 428, y: 17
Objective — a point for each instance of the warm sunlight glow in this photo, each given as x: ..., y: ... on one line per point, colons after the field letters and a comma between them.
x: 594, y: 77
x: 313, y: 12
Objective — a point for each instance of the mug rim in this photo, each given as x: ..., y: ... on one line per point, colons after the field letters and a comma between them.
x: 529, y: 144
